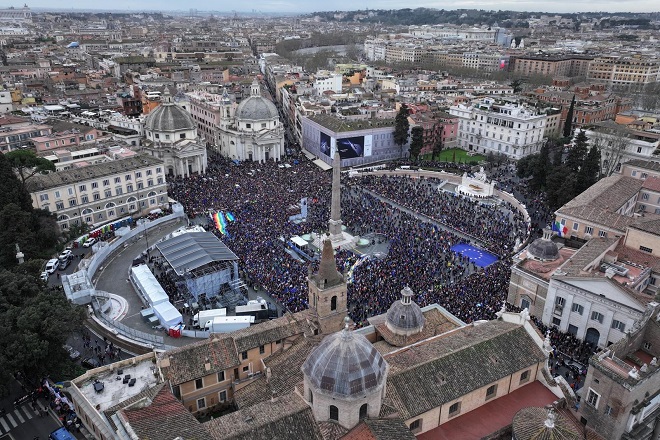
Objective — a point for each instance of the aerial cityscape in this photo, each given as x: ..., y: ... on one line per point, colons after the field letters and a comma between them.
x: 285, y: 222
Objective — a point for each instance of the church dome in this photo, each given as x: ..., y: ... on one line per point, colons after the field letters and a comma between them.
x: 543, y: 248
x: 345, y: 364
x: 256, y: 108
x: 405, y: 317
x: 543, y: 424
x: 169, y: 117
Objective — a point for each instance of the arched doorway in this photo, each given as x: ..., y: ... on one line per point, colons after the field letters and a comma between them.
x: 592, y: 336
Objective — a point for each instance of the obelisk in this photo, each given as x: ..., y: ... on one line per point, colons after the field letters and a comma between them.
x: 335, y: 208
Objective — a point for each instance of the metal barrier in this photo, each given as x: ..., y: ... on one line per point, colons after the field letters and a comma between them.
x: 104, y: 252
x: 131, y: 333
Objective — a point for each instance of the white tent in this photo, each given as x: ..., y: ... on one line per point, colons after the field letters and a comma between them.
x: 148, y: 285
x: 167, y: 314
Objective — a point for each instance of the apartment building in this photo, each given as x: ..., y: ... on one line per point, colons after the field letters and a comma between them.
x: 101, y: 192
x: 18, y: 132
x: 615, y: 69
x: 620, y: 144
x: 325, y: 81
x: 206, y: 111
x: 620, y: 397
x: 550, y: 65
x: 498, y: 127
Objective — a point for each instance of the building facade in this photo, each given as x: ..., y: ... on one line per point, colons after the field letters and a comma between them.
x: 101, y: 192
x: 491, y: 127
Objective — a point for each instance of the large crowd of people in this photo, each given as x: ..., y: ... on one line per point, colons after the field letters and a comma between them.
x: 262, y: 196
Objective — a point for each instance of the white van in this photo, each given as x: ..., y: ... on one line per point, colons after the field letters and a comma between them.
x: 52, y: 265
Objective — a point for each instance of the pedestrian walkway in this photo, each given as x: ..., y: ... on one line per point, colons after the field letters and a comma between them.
x: 17, y: 417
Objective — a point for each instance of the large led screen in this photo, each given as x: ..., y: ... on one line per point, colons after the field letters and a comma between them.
x: 325, y: 144
x: 351, y: 147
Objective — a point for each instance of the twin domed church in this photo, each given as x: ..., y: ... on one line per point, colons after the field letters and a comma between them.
x: 250, y: 130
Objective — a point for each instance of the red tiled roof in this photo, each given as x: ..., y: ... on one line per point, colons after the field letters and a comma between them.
x: 492, y: 416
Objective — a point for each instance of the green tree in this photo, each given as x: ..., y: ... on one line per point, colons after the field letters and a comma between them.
x: 401, y: 127
x: 568, y: 125
x: 517, y: 85
x: 36, y: 323
x: 541, y: 168
x: 416, y: 141
x: 560, y: 186
x: 590, y: 171
x: 437, y: 147
x: 578, y: 152
x: 26, y: 163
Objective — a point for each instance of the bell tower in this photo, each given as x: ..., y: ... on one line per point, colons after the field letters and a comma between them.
x: 327, y: 292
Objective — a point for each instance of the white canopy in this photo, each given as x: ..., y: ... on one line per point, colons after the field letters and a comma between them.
x: 167, y: 314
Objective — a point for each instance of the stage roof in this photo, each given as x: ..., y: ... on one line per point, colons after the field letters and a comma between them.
x: 189, y: 251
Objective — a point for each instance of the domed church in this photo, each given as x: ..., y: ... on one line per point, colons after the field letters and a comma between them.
x: 252, y: 130
x: 171, y: 135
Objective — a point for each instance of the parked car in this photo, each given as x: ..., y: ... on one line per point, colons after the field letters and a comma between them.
x: 64, y: 263
x: 65, y: 255
x: 90, y: 242
x: 44, y: 276
x: 73, y: 353
x: 90, y: 363
x: 52, y: 265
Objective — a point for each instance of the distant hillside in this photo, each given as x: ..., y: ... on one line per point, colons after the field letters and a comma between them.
x: 420, y: 16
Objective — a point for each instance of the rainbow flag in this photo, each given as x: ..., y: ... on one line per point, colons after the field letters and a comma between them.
x: 219, y: 221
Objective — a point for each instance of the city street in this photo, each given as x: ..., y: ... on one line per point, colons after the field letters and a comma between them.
x: 23, y: 422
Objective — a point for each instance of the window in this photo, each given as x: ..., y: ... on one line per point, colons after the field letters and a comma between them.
x: 159, y: 169
x: 334, y: 413
x: 83, y: 187
x: 645, y: 196
x: 222, y: 396
x: 577, y: 308
x: 608, y: 410
x: 106, y: 182
x: 572, y: 329
x: 72, y: 202
x: 647, y: 345
x: 129, y: 188
x: 592, y: 398
x: 524, y: 377
x: 602, y: 234
x: 244, y: 355
x: 118, y: 191
x: 454, y: 409
x: 117, y: 179
x: 595, y: 316
x: 416, y: 425
x: 556, y: 321
x: 108, y: 193
x: 150, y: 182
x: 97, y: 196
x: 57, y: 194
x: 148, y: 172
x: 262, y: 349
x: 333, y: 303
x: 646, y: 249
x: 95, y: 185
x: 127, y: 177
x: 43, y: 197
x: 199, y: 383
x: 221, y: 376
x: 363, y: 411
x: 248, y: 125
x: 182, y: 136
x: 618, y: 325
x: 588, y: 230
x: 246, y: 369
x: 576, y: 226
x: 201, y: 403
x: 491, y: 392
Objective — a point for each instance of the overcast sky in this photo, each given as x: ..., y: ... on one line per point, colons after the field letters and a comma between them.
x: 304, y: 6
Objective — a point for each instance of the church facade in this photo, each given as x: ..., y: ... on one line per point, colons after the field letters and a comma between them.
x: 171, y: 135
x: 251, y: 130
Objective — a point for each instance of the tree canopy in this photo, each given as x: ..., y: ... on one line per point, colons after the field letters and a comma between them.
x: 401, y: 126
x: 26, y: 163
x: 416, y: 141
x: 36, y: 323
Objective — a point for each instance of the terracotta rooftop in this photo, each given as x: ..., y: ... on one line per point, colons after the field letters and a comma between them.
x: 163, y: 417
x: 492, y: 416
x: 287, y: 417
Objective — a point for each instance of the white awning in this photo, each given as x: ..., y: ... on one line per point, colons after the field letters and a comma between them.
x: 324, y: 166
